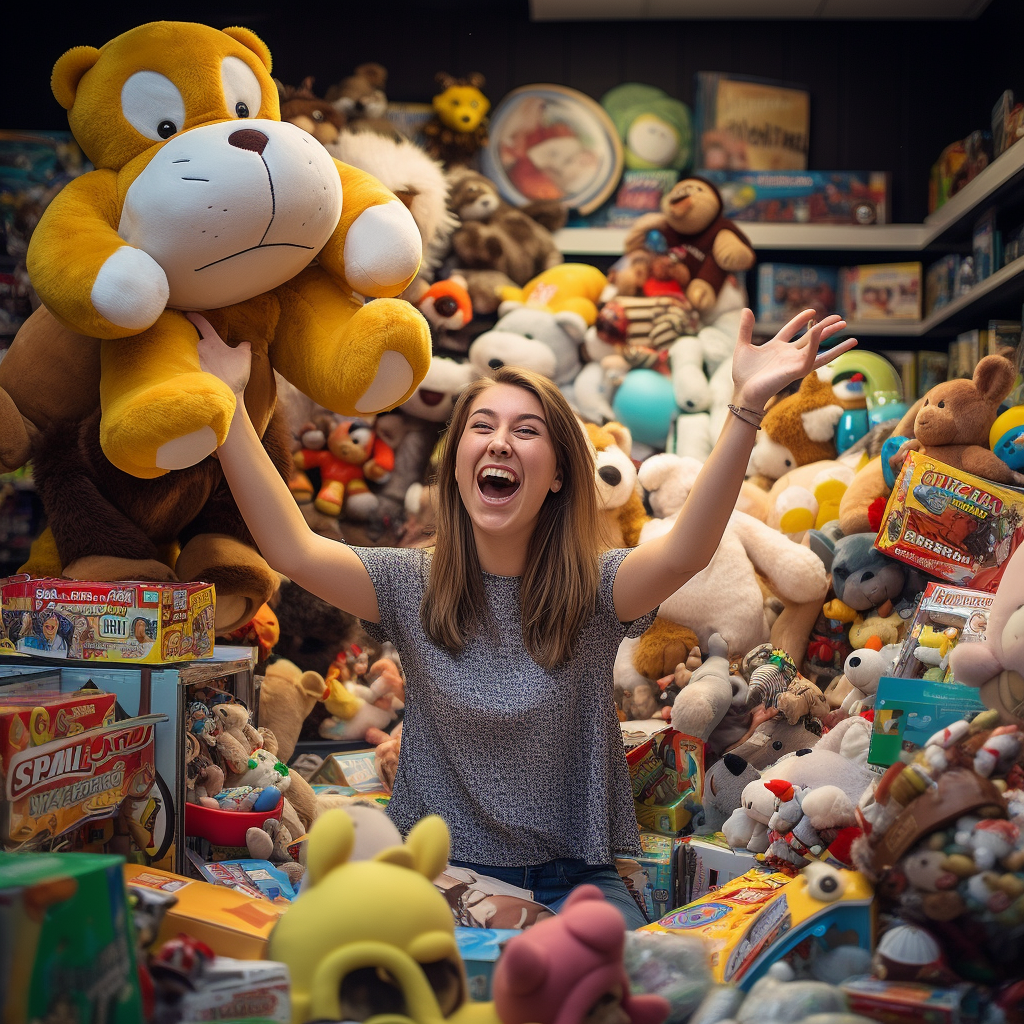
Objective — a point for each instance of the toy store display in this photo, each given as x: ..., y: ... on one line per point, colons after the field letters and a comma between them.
x: 883, y: 291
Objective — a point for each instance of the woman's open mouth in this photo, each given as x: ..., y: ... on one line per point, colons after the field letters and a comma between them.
x: 496, y: 483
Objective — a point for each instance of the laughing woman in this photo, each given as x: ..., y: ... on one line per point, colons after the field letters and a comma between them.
x: 508, y: 628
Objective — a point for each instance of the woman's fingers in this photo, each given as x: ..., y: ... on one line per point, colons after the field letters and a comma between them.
x: 837, y: 350
x: 794, y: 325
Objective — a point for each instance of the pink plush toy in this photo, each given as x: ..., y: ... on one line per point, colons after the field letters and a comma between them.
x: 568, y: 969
x: 996, y: 664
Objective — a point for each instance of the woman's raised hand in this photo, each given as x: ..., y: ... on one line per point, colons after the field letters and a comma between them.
x: 760, y: 372
x: 228, y: 364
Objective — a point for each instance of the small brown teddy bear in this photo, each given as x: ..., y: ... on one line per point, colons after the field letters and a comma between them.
x: 496, y: 237
x: 287, y: 696
x: 953, y: 423
x: 703, y: 246
x: 361, y: 100
x: 303, y: 108
x: 950, y: 424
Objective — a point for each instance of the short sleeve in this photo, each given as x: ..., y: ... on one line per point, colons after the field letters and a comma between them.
x: 399, y: 577
x: 610, y: 562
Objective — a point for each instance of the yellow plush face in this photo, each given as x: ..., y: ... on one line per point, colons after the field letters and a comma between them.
x: 461, y: 107
x: 225, y: 197
x: 156, y: 80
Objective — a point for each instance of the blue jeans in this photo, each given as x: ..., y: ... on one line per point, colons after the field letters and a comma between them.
x: 552, y: 882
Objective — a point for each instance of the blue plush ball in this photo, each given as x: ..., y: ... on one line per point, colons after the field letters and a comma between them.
x: 852, y: 426
x: 268, y: 799
x: 646, y: 404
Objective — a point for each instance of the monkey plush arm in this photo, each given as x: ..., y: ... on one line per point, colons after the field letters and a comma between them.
x: 731, y: 253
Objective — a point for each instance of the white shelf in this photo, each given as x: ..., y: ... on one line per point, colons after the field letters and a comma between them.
x: 907, y: 238
x: 919, y: 328
x: 878, y: 237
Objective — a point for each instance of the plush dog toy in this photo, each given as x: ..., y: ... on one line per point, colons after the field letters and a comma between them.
x: 202, y: 199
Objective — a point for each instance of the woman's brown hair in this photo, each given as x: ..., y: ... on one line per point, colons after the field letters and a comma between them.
x: 558, y: 591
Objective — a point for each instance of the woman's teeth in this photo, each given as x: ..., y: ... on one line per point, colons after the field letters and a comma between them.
x: 497, y: 483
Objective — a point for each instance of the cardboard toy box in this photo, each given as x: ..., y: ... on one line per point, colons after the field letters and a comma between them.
x: 784, y: 290
x: 667, y: 776
x: 229, y: 922
x: 650, y: 877
x: 67, y: 945
x: 65, y: 762
x: 144, y: 623
x: 803, y: 197
x: 480, y: 949
x: 905, y: 1002
x: 950, y: 524
x: 881, y: 291
x: 704, y: 864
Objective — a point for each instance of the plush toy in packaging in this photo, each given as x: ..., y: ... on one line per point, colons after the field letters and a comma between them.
x: 202, y: 199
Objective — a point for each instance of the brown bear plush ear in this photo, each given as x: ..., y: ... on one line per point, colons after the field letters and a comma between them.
x: 994, y: 377
x: 476, y: 80
x: 68, y: 71
x: 444, y: 80
x: 249, y: 39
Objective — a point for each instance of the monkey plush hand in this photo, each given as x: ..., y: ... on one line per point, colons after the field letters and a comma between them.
x: 703, y: 247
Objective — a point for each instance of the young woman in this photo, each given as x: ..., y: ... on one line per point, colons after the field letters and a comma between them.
x: 508, y: 629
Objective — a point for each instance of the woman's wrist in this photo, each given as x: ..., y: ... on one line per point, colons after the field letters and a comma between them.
x: 749, y: 402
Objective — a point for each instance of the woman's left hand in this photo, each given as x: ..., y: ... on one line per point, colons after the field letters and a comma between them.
x: 760, y: 372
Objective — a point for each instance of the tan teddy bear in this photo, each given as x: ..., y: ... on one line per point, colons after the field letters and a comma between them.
x: 287, y: 696
x: 618, y: 492
x: 796, y: 430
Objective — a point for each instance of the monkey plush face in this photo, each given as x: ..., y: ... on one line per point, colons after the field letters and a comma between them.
x: 691, y: 205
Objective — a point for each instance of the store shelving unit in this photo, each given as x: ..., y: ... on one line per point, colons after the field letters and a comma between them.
x: 944, y: 230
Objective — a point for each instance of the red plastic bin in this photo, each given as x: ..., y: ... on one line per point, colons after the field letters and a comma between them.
x: 225, y: 828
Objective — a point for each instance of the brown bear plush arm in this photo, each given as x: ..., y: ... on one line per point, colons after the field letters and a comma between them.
x: 638, y: 232
x: 731, y: 252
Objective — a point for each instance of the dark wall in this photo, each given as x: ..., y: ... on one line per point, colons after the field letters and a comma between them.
x: 885, y: 95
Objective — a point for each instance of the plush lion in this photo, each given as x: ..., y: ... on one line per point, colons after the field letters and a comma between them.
x: 203, y: 199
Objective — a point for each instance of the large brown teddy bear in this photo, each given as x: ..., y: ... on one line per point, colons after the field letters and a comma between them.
x: 703, y: 246
x: 202, y: 199
x: 950, y: 424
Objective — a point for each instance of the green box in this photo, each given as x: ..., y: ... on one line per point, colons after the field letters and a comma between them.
x: 909, y: 711
x: 67, y: 942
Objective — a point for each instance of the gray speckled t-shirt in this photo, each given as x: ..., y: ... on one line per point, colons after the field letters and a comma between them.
x: 525, y: 765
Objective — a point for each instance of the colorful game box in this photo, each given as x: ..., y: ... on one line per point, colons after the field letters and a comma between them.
x: 754, y: 920
x: 144, y: 623
x: 945, y: 616
x: 950, y: 524
x: 906, y: 1002
x: 67, y: 945
x: 909, y: 711
x: 786, y: 289
x: 803, y: 197
x: 881, y: 291
x: 667, y: 774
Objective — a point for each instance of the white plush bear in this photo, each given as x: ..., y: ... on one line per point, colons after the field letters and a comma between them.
x: 749, y: 549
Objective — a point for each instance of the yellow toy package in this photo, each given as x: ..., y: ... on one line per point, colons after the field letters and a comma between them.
x: 667, y: 776
x: 951, y: 524
x: 143, y: 623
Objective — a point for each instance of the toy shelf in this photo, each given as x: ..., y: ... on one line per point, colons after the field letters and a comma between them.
x: 1005, y: 284
x: 991, y: 185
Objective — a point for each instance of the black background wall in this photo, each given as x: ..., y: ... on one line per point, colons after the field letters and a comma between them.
x: 885, y: 95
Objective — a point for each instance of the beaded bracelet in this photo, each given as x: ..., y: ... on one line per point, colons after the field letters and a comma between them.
x: 738, y: 412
